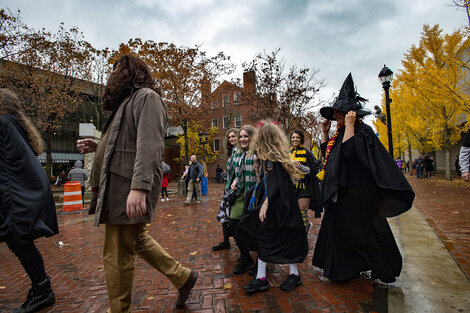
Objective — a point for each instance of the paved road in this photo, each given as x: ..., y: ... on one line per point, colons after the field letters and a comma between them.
x: 187, y: 232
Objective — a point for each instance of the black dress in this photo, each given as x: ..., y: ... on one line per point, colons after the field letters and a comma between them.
x: 27, y: 208
x: 281, y: 238
x: 362, y: 187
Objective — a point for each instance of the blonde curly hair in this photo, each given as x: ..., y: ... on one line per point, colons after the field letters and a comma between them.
x: 271, y: 144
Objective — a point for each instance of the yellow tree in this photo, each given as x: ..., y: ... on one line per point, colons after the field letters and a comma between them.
x: 433, y: 71
x: 204, y: 152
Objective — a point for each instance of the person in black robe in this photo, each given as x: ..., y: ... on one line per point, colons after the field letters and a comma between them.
x: 361, y: 187
x: 27, y: 208
x: 272, y: 224
x: 307, y: 187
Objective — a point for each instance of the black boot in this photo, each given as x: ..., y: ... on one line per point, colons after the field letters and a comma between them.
x: 226, y: 243
x: 39, y: 296
x: 243, y: 265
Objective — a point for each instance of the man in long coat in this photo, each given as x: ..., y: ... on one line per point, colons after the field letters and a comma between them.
x: 128, y: 167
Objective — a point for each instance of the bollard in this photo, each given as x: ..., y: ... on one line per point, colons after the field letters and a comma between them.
x: 181, y: 187
x: 204, y: 187
x: 72, y: 197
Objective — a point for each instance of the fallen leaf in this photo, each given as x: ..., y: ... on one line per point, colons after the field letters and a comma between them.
x: 3, y: 287
x: 150, y: 298
x: 193, y: 253
x: 228, y: 286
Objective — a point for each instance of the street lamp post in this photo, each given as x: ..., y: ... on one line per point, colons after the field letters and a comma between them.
x: 203, y: 139
x: 385, y: 77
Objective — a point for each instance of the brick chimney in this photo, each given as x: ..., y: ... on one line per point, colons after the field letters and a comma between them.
x: 249, y: 81
x: 206, y: 92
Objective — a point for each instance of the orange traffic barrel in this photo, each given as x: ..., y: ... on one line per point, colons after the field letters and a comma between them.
x: 72, y: 197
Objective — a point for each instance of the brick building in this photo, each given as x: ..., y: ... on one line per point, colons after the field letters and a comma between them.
x: 226, y: 109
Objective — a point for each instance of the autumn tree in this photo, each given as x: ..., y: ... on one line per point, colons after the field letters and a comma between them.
x: 12, y: 32
x: 48, y: 75
x: 431, y: 92
x: 195, y: 147
x: 284, y: 95
x: 182, y: 74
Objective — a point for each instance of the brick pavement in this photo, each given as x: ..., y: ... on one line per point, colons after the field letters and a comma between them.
x: 187, y: 232
x: 446, y: 207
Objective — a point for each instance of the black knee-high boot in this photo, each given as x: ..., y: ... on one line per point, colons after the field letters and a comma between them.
x: 39, y: 296
x: 226, y: 243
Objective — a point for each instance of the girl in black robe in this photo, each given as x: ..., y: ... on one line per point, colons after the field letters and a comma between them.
x: 272, y: 224
x: 361, y: 187
x: 27, y: 208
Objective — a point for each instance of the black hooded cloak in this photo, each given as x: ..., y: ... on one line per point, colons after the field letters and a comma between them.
x: 27, y: 208
x: 281, y: 238
x: 362, y: 187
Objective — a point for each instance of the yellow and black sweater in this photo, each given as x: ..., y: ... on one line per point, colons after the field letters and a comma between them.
x: 300, y: 154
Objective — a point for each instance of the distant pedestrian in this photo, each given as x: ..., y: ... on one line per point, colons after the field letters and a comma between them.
x: 218, y: 174
x: 183, y: 177
x: 128, y: 167
x: 428, y: 166
x: 193, y: 178
x: 27, y: 210
x: 77, y: 173
x: 464, y: 157
x: 419, y: 164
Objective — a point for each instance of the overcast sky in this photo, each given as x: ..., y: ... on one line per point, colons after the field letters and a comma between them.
x: 333, y: 36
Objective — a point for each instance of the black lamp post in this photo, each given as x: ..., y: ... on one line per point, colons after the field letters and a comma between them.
x: 385, y: 77
x: 203, y: 140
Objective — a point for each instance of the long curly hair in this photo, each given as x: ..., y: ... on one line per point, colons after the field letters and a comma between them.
x: 10, y: 104
x: 271, y: 144
x: 129, y: 73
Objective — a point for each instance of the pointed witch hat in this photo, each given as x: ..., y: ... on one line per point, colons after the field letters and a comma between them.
x: 347, y: 100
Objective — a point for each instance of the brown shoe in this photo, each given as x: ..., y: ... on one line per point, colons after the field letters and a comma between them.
x: 183, y: 292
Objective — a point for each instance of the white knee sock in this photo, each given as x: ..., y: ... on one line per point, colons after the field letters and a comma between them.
x: 293, y: 269
x: 261, y: 269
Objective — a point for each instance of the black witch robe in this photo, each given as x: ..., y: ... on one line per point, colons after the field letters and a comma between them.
x: 27, y: 208
x: 362, y: 187
x: 281, y: 238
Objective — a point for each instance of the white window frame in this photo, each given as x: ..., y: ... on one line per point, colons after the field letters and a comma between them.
x: 218, y: 144
x: 223, y: 122
x: 235, y: 120
x: 224, y: 102
x: 236, y: 97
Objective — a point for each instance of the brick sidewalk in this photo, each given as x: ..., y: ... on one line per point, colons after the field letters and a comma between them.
x: 446, y: 207
x: 187, y: 232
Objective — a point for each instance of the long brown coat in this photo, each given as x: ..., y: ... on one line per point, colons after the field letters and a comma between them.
x: 133, y: 157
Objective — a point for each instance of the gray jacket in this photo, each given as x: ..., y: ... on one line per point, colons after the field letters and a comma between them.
x: 133, y: 157
x: 78, y: 173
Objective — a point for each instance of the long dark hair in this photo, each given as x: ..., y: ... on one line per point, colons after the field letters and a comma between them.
x: 229, y: 145
x: 10, y: 104
x: 129, y: 73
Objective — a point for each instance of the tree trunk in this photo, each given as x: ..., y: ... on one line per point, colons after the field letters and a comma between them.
x: 186, y: 141
x: 447, y: 151
x: 49, y: 154
x: 410, y: 160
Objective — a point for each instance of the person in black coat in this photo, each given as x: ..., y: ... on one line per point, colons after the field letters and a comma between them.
x: 27, y: 208
x: 272, y: 223
x: 361, y: 187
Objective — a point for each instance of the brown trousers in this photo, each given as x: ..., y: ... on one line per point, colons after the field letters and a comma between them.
x: 121, y: 244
